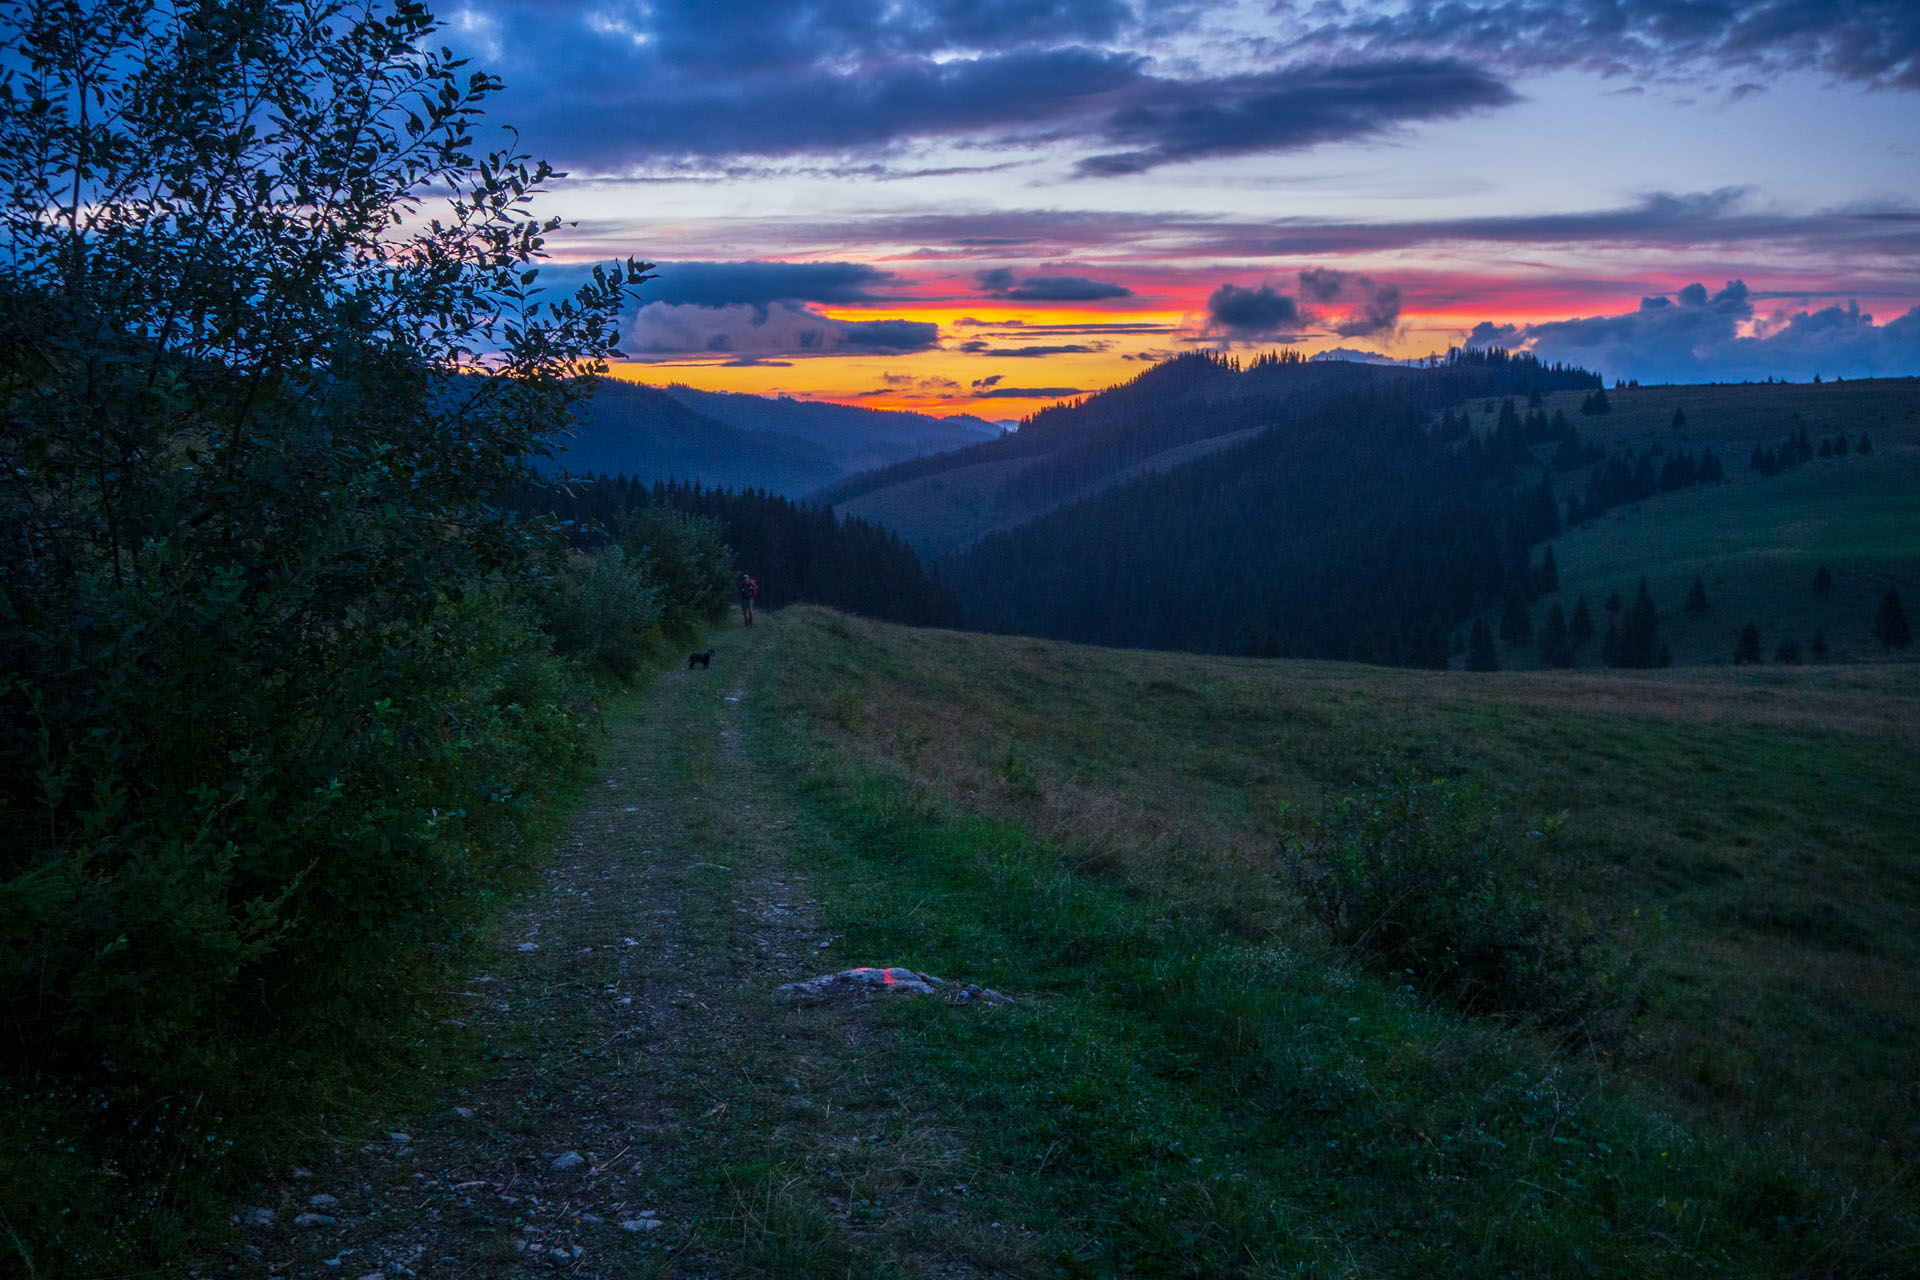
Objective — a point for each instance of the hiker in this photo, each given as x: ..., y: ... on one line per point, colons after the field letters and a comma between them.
x: 748, y: 590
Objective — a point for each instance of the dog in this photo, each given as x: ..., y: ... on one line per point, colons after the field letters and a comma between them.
x: 701, y: 660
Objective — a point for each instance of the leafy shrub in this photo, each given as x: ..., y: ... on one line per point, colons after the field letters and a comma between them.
x: 603, y: 608
x: 688, y: 557
x: 1412, y: 880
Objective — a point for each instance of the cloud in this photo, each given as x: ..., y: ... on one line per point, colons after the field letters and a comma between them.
x: 978, y: 347
x: 988, y: 383
x: 720, y: 284
x: 746, y: 332
x: 1374, y: 308
x: 929, y: 387
x: 1030, y: 393
x: 1263, y: 312
x: 1000, y: 282
x: 1874, y: 42
x: 1285, y: 110
x: 1242, y: 314
x: 1694, y: 336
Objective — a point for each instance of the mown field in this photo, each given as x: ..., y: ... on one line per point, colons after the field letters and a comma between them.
x: 1102, y: 827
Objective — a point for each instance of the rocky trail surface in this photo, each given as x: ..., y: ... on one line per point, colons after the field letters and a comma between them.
x: 639, y: 1044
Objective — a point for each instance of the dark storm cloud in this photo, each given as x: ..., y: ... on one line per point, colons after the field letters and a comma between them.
x: 1001, y: 283
x: 1695, y: 336
x: 1875, y: 42
x: 1374, y: 308
x: 1285, y: 110
x: 1263, y: 312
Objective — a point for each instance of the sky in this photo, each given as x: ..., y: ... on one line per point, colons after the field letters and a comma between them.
x: 986, y: 205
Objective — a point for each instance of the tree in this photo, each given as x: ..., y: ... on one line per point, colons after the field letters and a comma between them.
x: 1481, y: 655
x: 1787, y: 651
x: 1580, y: 626
x: 1747, y: 648
x: 1679, y: 419
x: 272, y: 353
x: 1890, y: 622
x: 1516, y: 623
x: 1697, y: 597
x: 1818, y: 645
x: 1865, y: 445
x: 1822, y: 581
x: 1556, y: 648
x: 1547, y: 580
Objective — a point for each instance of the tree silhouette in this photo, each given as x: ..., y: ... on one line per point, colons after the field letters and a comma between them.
x: 1747, y: 649
x: 1822, y: 581
x: 1890, y: 623
x: 1697, y: 597
x: 1556, y: 648
x: 1481, y: 655
x: 1580, y: 626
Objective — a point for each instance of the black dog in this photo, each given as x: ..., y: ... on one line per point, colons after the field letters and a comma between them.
x: 700, y: 659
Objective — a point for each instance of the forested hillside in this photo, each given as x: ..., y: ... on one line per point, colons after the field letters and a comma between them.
x: 1348, y: 527
x: 797, y: 551
x: 1166, y: 416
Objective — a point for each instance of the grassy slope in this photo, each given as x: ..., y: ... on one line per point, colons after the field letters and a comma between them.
x: 1754, y: 541
x: 1761, y: 822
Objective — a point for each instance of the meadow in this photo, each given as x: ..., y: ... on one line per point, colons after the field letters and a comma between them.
x: 1747, y: 835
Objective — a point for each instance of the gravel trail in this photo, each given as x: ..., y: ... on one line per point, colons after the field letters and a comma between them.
x: 615, y: 998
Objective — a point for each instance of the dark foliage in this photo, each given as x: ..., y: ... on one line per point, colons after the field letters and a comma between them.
x: 1747, y: 648
x: 1411, y: 879
x: 1481, y: 655
x: 1697, y: 597
x: 798, y: 551
x: 1633, y: 640
x: 1890, y: 622
x: 1556, y: 644
x: 1347, y: 526
x: 1822, y: 581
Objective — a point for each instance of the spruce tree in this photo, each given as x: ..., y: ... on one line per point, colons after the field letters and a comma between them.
x: 1822, y: 581
x: 1481, y: 655
x: 1890, y: 623
x: 1787, y: 651
x: 1679, y: 419
x: 1516, y: 624
x: 1580, y: 626
x: 1865, y: 445
x: 1556, y: 648
x: 1748, y: 648
x: 1697, y: 597
x: 1547, y: 580
x: 1818, y: 645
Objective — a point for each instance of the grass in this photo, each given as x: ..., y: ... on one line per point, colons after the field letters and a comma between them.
x: 1755, y: 542
x: 1097, y: 828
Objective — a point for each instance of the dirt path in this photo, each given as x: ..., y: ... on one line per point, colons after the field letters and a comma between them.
x: 616, y: 1000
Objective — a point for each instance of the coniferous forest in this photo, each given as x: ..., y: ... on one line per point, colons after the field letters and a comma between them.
x: 1350, y: 527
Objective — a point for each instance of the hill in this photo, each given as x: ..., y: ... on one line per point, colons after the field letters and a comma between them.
x: 1755, y: 539
x: 741, y: 441
x: 1168, y: 415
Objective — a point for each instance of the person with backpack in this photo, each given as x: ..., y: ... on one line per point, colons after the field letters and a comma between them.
x: 748, y: 590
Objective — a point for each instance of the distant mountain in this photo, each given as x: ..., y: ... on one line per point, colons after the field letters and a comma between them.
x: 631, y: 430
x: 862, y: 438
x: 737, y: 441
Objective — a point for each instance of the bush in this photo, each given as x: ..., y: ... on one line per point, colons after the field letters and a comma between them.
x: 603, y: 608
x: 1412, y: 881
x: 686, y: 555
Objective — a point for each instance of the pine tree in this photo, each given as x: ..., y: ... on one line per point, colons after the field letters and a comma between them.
x: 1822, y: 581
x: 1580, y: 626
x: 1697, y: 597
x: 1787, y: 651
x: 1748, y: 648
x: 1547, y: 580
x: 1481, y: 655
x: 1679, y: 419
x: 1516, y: 624
x: 1819, y: 644
x: 1890, y: 623
x: 1865, y: 445
x: 1556, y: 648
